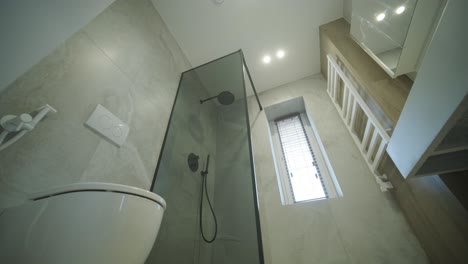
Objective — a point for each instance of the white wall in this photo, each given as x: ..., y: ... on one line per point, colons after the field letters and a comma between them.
x: 440, y: 86
x: 31, y: 29
x: 347, y: 10
x: 206, y: 31
x: 363, y: 226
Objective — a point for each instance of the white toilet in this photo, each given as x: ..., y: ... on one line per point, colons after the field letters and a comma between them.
x: 82, y: 223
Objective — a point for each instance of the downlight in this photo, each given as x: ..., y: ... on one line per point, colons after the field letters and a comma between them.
x: 266, y: 59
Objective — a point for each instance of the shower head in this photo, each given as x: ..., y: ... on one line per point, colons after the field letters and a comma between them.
x: 224, y: 98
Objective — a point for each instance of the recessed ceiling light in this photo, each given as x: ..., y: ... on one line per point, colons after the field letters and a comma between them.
x: 280, y: 54
x: 380, y: 17
x: 400, y: 10
x: 266, y: 59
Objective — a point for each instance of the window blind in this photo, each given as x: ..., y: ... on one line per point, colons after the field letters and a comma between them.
x: 299, y: 159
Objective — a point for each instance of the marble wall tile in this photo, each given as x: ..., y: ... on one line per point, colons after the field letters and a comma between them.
x: 384, y: 235
x: 124, y: 59
x: 73, y: 79
x: 127, y: 32
x: 313, y: 236
x: 134, y: 37
x: 363, y: 226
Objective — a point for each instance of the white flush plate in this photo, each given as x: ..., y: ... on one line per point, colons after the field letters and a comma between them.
x: 108, y: 125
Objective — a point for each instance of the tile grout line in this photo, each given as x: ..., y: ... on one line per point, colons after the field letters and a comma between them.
x: 132, y: 89
x: 93, y: 41
x: 339, y: 232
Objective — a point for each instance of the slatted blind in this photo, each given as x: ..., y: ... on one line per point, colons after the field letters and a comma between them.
x: 301, y: 166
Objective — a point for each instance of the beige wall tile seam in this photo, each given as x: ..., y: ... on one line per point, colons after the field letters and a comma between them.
x: 338, y: 230
x: 94, y: 43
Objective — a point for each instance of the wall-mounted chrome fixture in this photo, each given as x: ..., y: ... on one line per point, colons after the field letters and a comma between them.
x: 14, y: 127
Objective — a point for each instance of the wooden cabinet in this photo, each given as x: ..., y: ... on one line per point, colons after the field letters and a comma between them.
x: 395, y: 33
x: 432, y: 133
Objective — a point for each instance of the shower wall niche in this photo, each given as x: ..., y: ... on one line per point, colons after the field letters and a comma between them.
x: 219, y: 128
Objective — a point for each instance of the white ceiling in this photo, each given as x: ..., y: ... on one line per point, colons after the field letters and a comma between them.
x: 206, y: 31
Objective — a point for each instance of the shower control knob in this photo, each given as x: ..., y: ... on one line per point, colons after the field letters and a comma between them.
x: 192, y: 161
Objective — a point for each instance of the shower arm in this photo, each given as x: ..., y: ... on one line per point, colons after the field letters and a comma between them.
x: 208, y: 99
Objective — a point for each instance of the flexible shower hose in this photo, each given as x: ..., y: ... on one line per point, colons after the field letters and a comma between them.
x: 204, y: 190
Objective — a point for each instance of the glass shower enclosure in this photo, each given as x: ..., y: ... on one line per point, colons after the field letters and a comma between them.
x: 205, y: 171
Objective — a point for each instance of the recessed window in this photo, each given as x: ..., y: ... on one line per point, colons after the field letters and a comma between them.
x: 303, y: 169
x: 299, y: 160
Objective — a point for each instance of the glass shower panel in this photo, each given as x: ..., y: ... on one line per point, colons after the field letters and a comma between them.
x: 209, y: 118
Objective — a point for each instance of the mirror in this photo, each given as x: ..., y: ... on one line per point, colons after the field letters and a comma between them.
x: 381, y: 27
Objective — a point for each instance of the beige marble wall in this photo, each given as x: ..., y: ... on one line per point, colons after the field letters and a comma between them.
x: 363, y: 226
x: 124, y: 59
